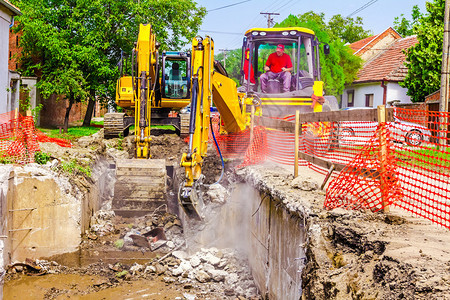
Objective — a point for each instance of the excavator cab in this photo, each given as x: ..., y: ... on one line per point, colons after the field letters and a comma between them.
x: 277, y: 98
x: 175, y: 79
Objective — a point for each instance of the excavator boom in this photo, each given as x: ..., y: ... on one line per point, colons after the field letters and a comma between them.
x: 208, y: 86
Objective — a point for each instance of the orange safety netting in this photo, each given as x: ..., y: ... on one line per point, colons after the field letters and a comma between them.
x: 19, y: 139
x: 405, y: 163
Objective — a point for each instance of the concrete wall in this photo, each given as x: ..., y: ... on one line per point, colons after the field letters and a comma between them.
x: 43, y: 218
x: 277, y: 254
x: 5, y: 20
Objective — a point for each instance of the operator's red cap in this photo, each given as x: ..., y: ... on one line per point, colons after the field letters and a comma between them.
x: 280, y: 46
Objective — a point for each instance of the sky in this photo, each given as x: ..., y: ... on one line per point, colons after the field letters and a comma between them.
x: 226, y: 26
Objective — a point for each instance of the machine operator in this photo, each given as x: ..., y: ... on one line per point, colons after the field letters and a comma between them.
x: 278, y: 66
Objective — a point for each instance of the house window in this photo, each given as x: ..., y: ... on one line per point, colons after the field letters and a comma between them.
x: 351, y: 98
x: 17, y: 41
x: 369, y: 100
x: 10, y: 55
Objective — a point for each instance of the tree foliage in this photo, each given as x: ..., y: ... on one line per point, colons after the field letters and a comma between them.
x: 424, y: 60
x: 340, y: 67
x: 233, y: 63
x: 74, y: 45
x: 404, y: 26
x: 347, y: 29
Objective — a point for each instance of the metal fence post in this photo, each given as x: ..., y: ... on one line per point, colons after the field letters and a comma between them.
x: 383, y: 155
x: 252, y: 122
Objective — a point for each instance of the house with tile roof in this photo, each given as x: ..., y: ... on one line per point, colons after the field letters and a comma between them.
x: 8, y: 93
x: 378, y: 80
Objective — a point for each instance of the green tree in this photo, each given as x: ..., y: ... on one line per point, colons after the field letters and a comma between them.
x: 233, y: 63
x: 347, y: 29
x: 74, y: 45
x: 404, y: 26
x: 424, y: 60
x: 340, y: 67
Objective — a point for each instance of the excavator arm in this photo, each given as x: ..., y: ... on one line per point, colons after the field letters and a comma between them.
x: 208, y: 86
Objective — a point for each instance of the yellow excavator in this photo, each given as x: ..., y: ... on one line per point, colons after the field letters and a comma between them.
x: 211, y: 85
x: 155, y: 87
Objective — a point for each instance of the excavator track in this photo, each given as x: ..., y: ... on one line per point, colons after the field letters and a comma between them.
x: 184, y: 125
x: 116, y: 124
x: 140, y: 186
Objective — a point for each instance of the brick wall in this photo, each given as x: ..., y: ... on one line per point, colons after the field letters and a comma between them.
x: 420, y: 118
x: 54, y: 110
x: 14, y: 49
x: 436, y: 96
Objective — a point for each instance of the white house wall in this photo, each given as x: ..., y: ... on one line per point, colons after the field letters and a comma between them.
x: 360, y: 94
x: 5, y: 20
x: 394, y: 92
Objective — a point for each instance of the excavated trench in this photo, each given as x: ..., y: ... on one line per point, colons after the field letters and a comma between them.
x: 264, y: 235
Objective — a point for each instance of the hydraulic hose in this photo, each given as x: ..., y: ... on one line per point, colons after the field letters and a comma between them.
x: 194, y: 101
x: 193, y: 111
x: 220, y: 154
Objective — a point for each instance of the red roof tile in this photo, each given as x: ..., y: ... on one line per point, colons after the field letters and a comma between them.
x: 389, y: 64
x: 361, y: 46
x: 361, y: 43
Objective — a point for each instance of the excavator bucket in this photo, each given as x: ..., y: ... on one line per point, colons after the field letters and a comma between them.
x: 190, y: 199
x: 140, y: 186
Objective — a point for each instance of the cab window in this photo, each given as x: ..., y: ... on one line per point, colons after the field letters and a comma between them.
x: 176, y: 79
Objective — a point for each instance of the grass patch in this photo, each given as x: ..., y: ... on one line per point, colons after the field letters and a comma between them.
x: 73, y: 132
x: 96, y: 122
x: 41, y: 157
x: 425, y: 157
x: 73, y: 167
x: 169, y: 127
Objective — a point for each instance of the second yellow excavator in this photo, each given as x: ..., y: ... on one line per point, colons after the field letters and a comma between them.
x: 211, y: 85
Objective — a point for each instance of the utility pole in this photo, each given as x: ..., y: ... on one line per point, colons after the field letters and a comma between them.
x: 225, y: 52
x: 443, y: 106
x: 270, y: 21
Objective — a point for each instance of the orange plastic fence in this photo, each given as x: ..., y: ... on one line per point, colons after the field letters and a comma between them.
x: 19, y: 139
x: 405, y: 163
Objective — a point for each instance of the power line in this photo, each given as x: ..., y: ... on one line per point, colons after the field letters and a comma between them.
x: 255, y: 23
x: 362, y: 8
x: 228, y: 5
x: 221, y: 32
x: 270, y: 21
x: 279, y: 9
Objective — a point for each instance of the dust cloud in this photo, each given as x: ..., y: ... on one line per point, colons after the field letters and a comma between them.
x: 226, y: 225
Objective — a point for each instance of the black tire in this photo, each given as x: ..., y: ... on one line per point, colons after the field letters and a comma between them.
x: 344, y: 135
x: 414, y: 138
x: 347, y: 132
